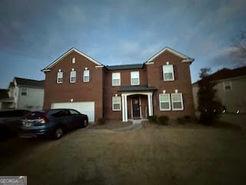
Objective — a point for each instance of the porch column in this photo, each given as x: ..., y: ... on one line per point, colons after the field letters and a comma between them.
x: 126, y: 116
x: 150, y: 104
x: 124, y: 107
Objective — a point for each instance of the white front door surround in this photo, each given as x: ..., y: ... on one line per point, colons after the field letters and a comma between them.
x: 124, y: 103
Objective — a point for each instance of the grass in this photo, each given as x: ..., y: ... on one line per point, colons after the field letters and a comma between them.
x: 152, y: 155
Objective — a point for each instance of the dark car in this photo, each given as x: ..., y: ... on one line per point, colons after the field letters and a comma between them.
x: 54, y: 122
x: 10, y: 121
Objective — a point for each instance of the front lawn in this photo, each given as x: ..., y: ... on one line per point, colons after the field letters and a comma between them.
x: 151, y: 155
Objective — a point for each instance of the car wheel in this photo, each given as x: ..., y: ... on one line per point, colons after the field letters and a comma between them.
x: 58, y: 133
x: 85, y: 123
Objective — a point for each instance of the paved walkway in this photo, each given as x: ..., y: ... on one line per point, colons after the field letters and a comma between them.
x: 134, y: 126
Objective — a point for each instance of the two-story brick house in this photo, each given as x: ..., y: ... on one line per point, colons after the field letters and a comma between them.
x: 160, y: 86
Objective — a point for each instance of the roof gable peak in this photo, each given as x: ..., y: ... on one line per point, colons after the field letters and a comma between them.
x: 47, y: 68
x: 181, y: 55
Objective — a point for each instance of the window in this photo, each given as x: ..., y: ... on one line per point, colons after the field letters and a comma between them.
x: 73, y: 76
x: 23, y: 91
x: 86, y: 75
x: 116, y: 103
x: 73, y: 60
x: 74, y: 112
x: 227, y: 85
x: 135, y: 78
x: 168, y: 74
x: 177, y: 101
x: 59, y: 78
x: 164, y: 102
x: 115, y: 79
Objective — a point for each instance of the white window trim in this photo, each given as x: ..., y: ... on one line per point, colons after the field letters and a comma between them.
x: 73, y: 60
x: 116, y: 79
x: 116, y: 103
x: 163, y: 72
x: 86, y: 75
x: 182, y: 102
x: 133, y: 78
x: 75, y: 76
x: 224, y: 85
x: 161, y: 109
x: 25, y: 91
x: 57, y: 77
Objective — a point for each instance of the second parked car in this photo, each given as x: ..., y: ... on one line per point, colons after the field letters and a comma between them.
x: 54, y: 122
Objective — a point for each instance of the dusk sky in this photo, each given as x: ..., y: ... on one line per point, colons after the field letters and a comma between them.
x: 33, y: 33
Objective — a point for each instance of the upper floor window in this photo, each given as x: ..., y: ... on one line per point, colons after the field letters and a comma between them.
x: 23, y: 91
x: 116, y: 103
x: 73, y: 60
x: 135, y: 78
x: 227, y: 85
x: 59, y: 78
x: 115, y: 79
x: 168, y: 73
x: 86, y: 75
x: 73, y: 76
x: 164, y: 102
x: 177, y: 101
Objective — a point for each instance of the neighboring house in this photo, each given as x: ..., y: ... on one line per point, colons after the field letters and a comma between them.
x: 230, y: 87
x: 4, y: 99
x: 160, y: 86
x: 24, y: 94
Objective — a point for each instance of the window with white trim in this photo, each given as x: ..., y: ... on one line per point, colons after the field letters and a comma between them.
x: 177, y: 101
x: 115, y: 79
x: 59, y: 78
x: 73, y: 60
x: 168, y: 72
x: 135, y: 78
x: 86, y: 75
x: 165, y: 102
x: 227, y: 85
x: 116, y: 103
x: 73, y: 76
x: 23, y: 91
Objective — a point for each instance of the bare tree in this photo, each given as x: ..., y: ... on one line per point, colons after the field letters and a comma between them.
x: 239, y: 44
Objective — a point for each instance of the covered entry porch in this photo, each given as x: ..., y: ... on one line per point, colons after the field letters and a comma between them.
x: 137, y: 102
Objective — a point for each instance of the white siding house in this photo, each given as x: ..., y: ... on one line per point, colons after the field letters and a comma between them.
x: 25, y: 94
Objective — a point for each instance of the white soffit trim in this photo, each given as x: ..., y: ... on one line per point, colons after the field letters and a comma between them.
x: 181, y: 55
x: 47, y: 68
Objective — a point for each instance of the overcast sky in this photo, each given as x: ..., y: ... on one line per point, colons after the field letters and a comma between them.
x: 33, y: 33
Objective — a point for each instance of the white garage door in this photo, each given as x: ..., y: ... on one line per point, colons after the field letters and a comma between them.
x: 87, y: 108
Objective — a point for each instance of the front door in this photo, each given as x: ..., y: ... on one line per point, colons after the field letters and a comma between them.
x: 135, y: 108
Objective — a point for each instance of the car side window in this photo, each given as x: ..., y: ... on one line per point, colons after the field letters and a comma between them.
x: 74, y: 112
x: 61, y: 113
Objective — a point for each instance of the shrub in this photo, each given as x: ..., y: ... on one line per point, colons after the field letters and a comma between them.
x: 184, y: 119
x: 101, y: 121
x: 163, y: 120
x: 152, y: 119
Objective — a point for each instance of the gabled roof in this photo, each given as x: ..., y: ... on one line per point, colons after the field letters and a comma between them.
x: 185, y: 57
x: 126, y: 66
x: 47, y: 68
x: 29, y: 82
x: 226, y: 73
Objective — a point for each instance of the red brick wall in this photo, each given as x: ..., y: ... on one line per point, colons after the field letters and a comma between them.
x: 79, y: 91
x: 182, y: 83
x: 110, y: 91
x: 100, y: 88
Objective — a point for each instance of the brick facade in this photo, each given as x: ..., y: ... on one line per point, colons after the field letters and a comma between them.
x: 101, y: 91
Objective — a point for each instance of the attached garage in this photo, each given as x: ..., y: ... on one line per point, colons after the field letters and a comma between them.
x: 87, y: 108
